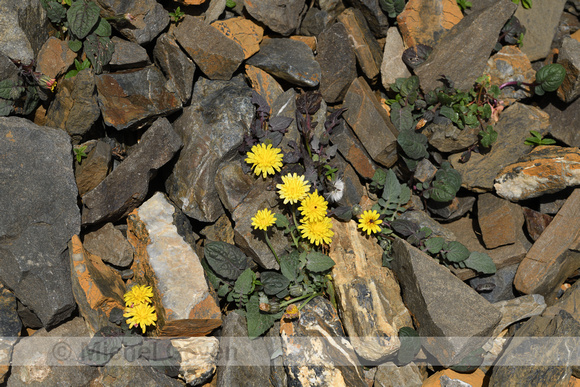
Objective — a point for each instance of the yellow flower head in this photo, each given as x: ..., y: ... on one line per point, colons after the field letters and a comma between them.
x: 292, y: 312
x: 369, y: 222
x: 263, y: 219
x: 141, y: 315
x: 139, y: 294
x: 293, y: 189
x: 318, y: 232
x: 265, y: 159
x: 313, y: 207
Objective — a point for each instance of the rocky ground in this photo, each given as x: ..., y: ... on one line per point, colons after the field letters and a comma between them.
x: 126, y: 170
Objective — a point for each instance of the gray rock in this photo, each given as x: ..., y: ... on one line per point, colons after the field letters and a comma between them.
x: 480, y: 29
x: 95, y: 167
x: 499, y: 220
x: 222, y: 230
x: 519, y: 309
x: 377, y: 20
x: 40, y: 215
x: 455, y: 209
x: 393, y: 66
x: 28, y: 318
x: 332, y: 7
x: 288, y: 59
x: 8, y: 70
x: 449, y: 138
x: 175, y: 64
x: 352, y: 190
x: 10, y: 327
x: 510, y: 64
x: 278, y: 376
x: 198, y: 358
x: 127, y: 55
x: 125, y: 188
x: 390, y: 375
x: 561, y: 115
x: 424, y: 220
x: 280, y: 16
x: 569, y: 57
x: 502, y: 284
x: 353, y: 151
x: 315, y: 21
x: 232, y: 184
x: 285, y: 106
x: 425, y: 171
x: 110, y: 244
x: 214, y: 10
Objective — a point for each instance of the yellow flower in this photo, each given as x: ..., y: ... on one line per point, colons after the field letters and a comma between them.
x: 295, y: 188
x: 318, y: 232
x: 263, y: 219
x: 313, y: 207
x: 142, y: 315
x: 370, y: 222
x: 265, y: 159
x: 139, y: 294
x: 291, y: 312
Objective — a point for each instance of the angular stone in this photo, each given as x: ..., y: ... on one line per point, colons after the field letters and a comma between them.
x: 390, y: 375
x: 514, y: 126
x: 351, y: 191
x: 376, y: 18
x: 519, y: 309
x: 353, y: 151
x: 510, y: 64
x: 310, y: 41
x: 39, y: 216
x: 371, y: 123
x: 425, y: 22
x: 125, y: 188
x: 264, y: 84
x: 133, y: 98
x: 569, y: 57
x: 337, y: 63
x: 568, y: 302
x: 232, y: 184
x: 215, y: 54
x: 369, y: 298
x: 367, y: 49
x: 221, y: 231
x: 242, y: 31
x: 214, y: 10
x: 110, y: 245
x: 315, y: 21
x: 282, y: 17
x: 8, y: 69
x: 451, y: 210
x: 449, y: 138
x: 75, y: 108
x: 198, y: 358
x: 561, y: 115
x: 96, y: 287
x: 175, y: 64
x: 423, y: 220
x: 127, y: 55
x: 164, y: 260
x: 480, y: 29
x: 10, y: 327
x: 393, y: 66
x: 95, y: 167
x: 288, y: 59
x: 450, y: 378
x: 425, y: 171
x: 536, y: 222
x: 498, y: 286
x: 498, y: 220
x: 54, y: 57
x: 285, y: 106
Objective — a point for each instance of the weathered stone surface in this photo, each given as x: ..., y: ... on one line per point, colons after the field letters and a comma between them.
x: 369, y: 296
x: 212, y: 129
x: 215, y: 54
x: 315, y: 21
x: 561, y: 115
x: 371, y: 123
x: 232, y: 184
x: 519, y: 309
x: 222, y: 230
x: 175, y: 64
x: 315, y: 349
x: 451, y: 316
x: 480, y: 29
x: 280, y: 16
x: 569, y: 57
x: 264, y: 84
x: 351, y: 189
x: 75, y: 108
x: 285, y: 106
x: 8, y: 69
x: 127, y: 55
x: 393, y: 66
x: 450, y: 378
x: 54, y: 58
x: 536, y: 222
x: 133, y: 98
x: 39, y: 216
x: 423, y: 220
x: 376, y: 18
x: 510, y: 64
x: 367, y: 49
x: 549, y: 262
x: 546, y: 169
x: 242, y: 31
x: 501, y: 282
x: 288, y: 59
x: 451, y: 210
x: 498, y: 220
x: 352, y: 150
x: 96, y: 287
x: 110, y: 245
x: 95, y: 167
x: 310, y: 41
x: 514, y: 124
x: 449, y: 138
x: 198, y: 358
x: 10, y: 327
x: 425, y: 22
x: 337, y: 63
x: 163, y: 259
x: 125, y: 188
x: 568, y: 302
x: 214, y: 10
x: 390, y: 375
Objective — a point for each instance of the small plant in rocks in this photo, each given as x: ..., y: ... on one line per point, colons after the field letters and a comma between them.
x: 79, y: 152
x: 548, y: 79
x: 537, y: 139
x: 177, y: 15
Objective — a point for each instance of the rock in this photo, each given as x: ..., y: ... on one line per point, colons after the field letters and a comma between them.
x: 175, y: 64
x: 498, y: 220
x: 315, y: 21
x: 212, y: 129
x: 332, y: 7
x: 96, y: 287
x: 282, y: 17
x: 264, y: 84
x: 561, y: 114
x: 164, y: 260
x: 221, y: 231
x: 232, y: 184
x: 10, y: 327
x: 455, y: 209
x: 352, y: 190
x: 75, y: 108
x: 480, y: 29
x: 337, y: 62
x: 519, y: 309
x: 568, y: 302
x: 567, y: 26
x: 110, y: 245
x: 198, y: 358
x: 95, y: 167
x: 134, y: 98
x: 451, y: 316
x: 352, y: 150
x: 371, y: 123
x: 449, y: 138
x: 144, y: 19
x: 569, y: 57
x: 554, y: 256
x: 546, y: 169
x: 214, y: 10
x: 438, y: 379
x: 273, y: 342
x: 390, y: 375
x: 536, y: 222
x: 393, y: 66
x: 54, y: 58
x: 39, y: 216
x: 514, y: 126
x: 510, y: 64
x: 541, y: 22
x: 423, y: 220
x: 127, y: 55
x: 367, y: 49
x: 285, y: 106
x: 8, y: 69
x: 288, y: 59
x: 369, y: 298
x: 115, y: 197
x: 425, y: 22
x: 498, y: 286
x: 376, y: 19
x: 313, y: 347
x: 28, y: 318
x: 310, y: 41
x: 243, y: 31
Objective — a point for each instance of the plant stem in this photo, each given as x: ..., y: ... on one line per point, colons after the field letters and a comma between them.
x: 270, y: 246
x: 296, y: 225
x: 515, y: 83
x: 286, y: 303
x: 308, y: 300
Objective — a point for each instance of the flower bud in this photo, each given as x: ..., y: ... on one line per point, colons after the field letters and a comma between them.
x: 356, y: 210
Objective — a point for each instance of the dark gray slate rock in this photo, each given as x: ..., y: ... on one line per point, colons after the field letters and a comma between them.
x: 95, y: 167
x: 390, y: 375
x: 332, y: 7
x: 232, y: 184
x: 314, y: 22
x: 215, y: 54
x: 561, y: 115
x: 127, y: 55
x: 449, y: 138
x: 10, y: 327
x: 288, y: 59
x: 455, y: 209
x: 377, y: 20
x: 285, y: 106
x: 125, y: 188
x: 337, y: 63
x: 497, y: 287
x: 212, y: 129
x: 569, y: 57
x: 175, y: 64
x: 480, y: 29
x: 110, y: 245
x: 451, y: 317
x: 39, y: 216
x: 282, y: 16
x: 29, y: 319
x: 424, y: 220
x: 352, y: 189
x: 133, y: 98
x: 353, y: 151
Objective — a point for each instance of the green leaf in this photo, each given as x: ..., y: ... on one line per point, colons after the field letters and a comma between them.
x: 414, y: 144
x: 550, y: 77
x: 273, y: 282
x: 71, y: 74
x: 318, y: 262
x: 11, y: 89
x: 99, y: 51
x: 488, y: 136
x: 258, y: 322
x: 103, y: 28
x: 289, y: 265
x: 402, y: 117
x: 480, y: 262
x: 446, y: 184
x: 435, y: 244
x: 448, y: 112
x: 392, y: 7
x: 281, y: 221
x: 82, y: 16
x: 456, y: 252
x: 245, y: 283
x: 223, y: 290
x: 392, y: 188
x: 410, y: 345
x: 527, y: 4
x: 75, y: 45
x: 379, y: 177
x: 410, y: 85
x: 230, y: 3
x: 226, y: 260
x: 5, y: 107
x: 31, y: 101
x: 55, y: 11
